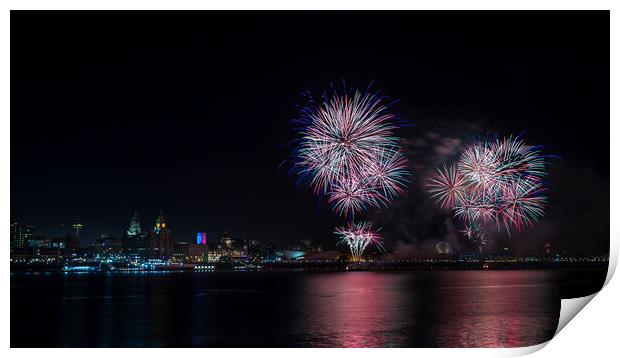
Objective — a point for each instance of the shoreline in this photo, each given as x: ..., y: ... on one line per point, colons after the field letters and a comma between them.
x: 329, y: 267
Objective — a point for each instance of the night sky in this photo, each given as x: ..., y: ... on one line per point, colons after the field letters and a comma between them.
x: 189, y: 112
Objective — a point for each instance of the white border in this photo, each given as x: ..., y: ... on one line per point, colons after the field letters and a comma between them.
x: 310, y: 5
x: 594, y: 329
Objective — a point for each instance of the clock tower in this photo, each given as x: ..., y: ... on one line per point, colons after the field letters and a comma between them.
x: 161, y: 244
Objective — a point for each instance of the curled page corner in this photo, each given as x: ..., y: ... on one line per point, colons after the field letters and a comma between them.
x: 569, y: 309
x: 522, y: 351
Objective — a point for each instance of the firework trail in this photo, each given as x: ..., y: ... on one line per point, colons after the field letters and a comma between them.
x: 499, y: 182
x: 358, y: 236
x: 348, y: 154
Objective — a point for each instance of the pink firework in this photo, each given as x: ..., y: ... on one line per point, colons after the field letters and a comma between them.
x: 353, y: 194
x: 348, y: 152
x: 499, y: 182
x: 523, y: 203
x: 447, y: 186
x: 478, y: 165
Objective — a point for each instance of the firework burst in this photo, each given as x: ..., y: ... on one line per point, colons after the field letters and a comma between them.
x: 447, y: 186
x: 348, y: 151
x: 358, y: 236
x: 499, y: 182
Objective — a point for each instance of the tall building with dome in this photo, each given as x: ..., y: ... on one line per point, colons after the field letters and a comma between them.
x: 134, y: 228
x: 135, y: 241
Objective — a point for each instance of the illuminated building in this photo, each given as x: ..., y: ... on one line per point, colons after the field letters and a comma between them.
x: 228, y: 250
x: 58, y: 243
x: 226, y: 241
x: 63, y: 244
x: 258, y: 251
x: 135, y: 240
x: 291, y: 254
x: 443, y: 248
x: 38, y: 242
x: 201, y: 238
x: 190, y: 252
x: 160, y: 243
x: 20, y: 234
x: 49, y: 254
x: 134, y: 228
x: 470, y: 256
x: 305, y: 246
x: 107, y: 246
x: 20, y: 254
x: 77, y: 227
x: 322, y: 256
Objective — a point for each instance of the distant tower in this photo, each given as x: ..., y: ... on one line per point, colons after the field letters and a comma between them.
x: 134, y: 228
x: 547, y: 248
x: 160, y: 243
x: 77, y: 227
x: 73, y: 243
x: 160, y: 222
x: 226, y: 241
x: 135, y: 241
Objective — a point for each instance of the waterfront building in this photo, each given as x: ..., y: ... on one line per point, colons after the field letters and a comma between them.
x: 68, y: 245
x: 470, y: 256
x: 214, y: 256
x: 160, y: 242
x: 134, y: 228
x: 38, y: 242
x: 35, y: 255
x: 106, y: 247
x: 305, y: 246
x: 58, y: 243
x: 259, y: 252
x: 190, y: 252
x: 228, y: 250
x: 443, y: 251
x: 21, y: 254
x: 291, y: 255
x: 323, y: 256
x: 49, y: 254
x: 20, y: 234
x: 135, y: 240
x: 443, y: 248
x: 226, y: 242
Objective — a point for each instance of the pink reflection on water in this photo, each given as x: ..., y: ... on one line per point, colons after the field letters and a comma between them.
x: 501, y: 311
x: 358, y: 309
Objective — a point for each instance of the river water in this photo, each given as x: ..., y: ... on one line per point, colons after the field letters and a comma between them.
x: 293, y: 309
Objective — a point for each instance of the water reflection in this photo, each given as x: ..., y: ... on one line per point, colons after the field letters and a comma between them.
x: 289, y: 309
x: 354, y: 309
x: 497, y: 309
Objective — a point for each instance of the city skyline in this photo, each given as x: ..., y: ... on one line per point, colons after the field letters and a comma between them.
x: 205, y: 239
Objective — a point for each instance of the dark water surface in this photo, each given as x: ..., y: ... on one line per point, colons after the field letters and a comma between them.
x: 293, y: 309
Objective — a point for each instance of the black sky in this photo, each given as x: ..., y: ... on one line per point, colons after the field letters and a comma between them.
x: 189, y: 112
